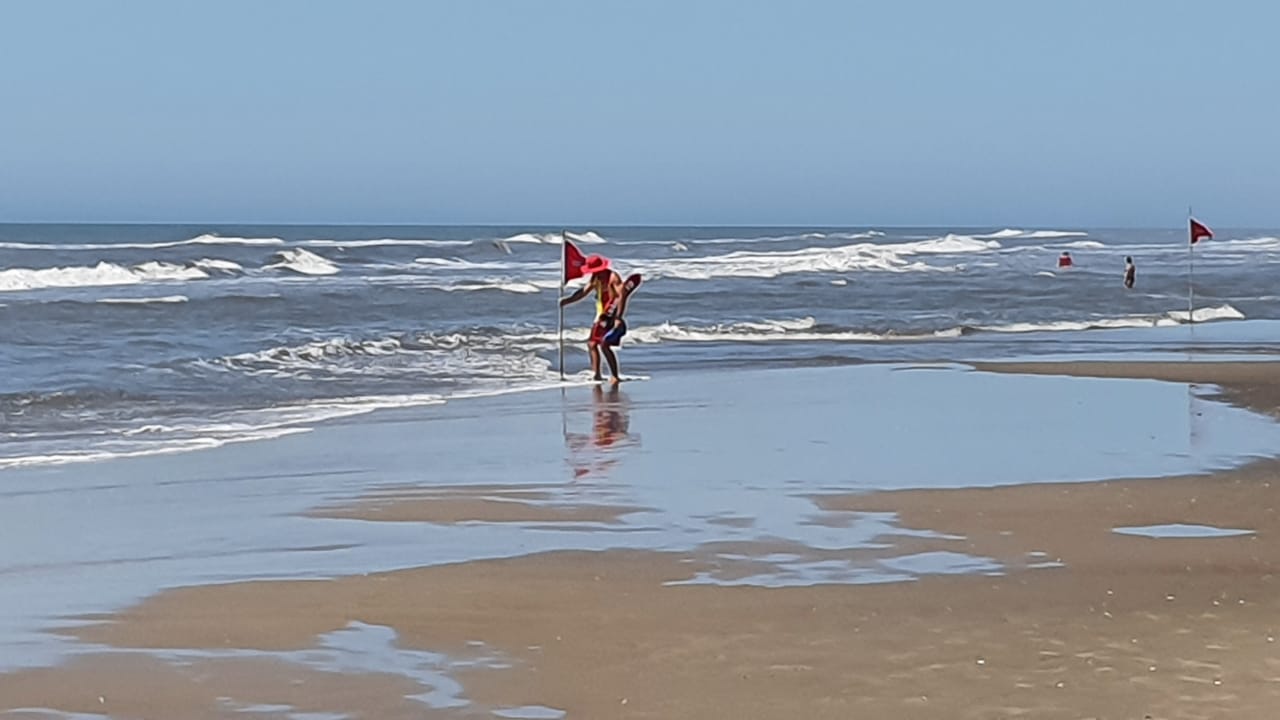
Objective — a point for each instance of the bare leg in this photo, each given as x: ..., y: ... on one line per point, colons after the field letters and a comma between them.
x: 613, y: 363
x: 594, y: 350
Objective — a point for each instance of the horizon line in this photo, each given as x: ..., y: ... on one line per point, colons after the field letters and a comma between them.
x: 573, y: 226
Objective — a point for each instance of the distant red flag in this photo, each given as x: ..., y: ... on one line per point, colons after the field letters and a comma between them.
x: 573, y: 261
x: 1199, y: 232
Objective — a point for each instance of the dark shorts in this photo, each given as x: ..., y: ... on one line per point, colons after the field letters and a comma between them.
x: 608, y: 333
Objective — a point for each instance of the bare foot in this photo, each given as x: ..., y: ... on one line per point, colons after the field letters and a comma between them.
x: 615, y: 380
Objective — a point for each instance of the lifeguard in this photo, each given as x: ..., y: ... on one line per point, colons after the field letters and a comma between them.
x: 611, y: 303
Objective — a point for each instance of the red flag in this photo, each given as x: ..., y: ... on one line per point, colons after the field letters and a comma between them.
x: 573, y: 261
x: 1199, y: 232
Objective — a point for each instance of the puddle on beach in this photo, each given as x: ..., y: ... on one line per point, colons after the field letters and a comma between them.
x: 46, y: 714
x: 857, y: 569
x: 530, y: 712
x: 359, y: 649
x: 701, y: 458
x: 1180, y: 530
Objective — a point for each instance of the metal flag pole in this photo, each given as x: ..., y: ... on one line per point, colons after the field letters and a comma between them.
x: 564, y: 239
x: 1191, y: 270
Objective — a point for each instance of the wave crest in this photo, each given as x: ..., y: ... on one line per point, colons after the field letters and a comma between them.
x: 303, y: 262
x: 1014, y: 233
x: 102, y: 274
x: 587, y: 238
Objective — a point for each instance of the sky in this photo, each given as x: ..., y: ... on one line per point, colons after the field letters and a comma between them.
x: 662, y: 112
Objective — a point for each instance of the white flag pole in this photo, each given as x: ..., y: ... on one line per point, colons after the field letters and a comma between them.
x: 564, y: 239
x: 1191, y: 270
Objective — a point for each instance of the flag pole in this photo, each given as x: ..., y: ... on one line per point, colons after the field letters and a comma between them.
x: 1191, y: 270
x: 564, y: 238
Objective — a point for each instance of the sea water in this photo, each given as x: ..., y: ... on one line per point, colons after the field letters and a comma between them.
x: 134, y: 339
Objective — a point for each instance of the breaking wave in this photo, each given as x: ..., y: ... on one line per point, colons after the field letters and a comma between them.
x: 459, y: 358
x: 219, y: 266
x: 387, y: 242
x: 184, y: 434
x: 865, y: 256
x: 784, y: 238
x: 102, y: 274
x: 508, y: 353
x: 303, y: 262
x: 1207, y: 314
x: 207, y: 239
x: 1014, y: 233
x: 587, y: 238
x: 167, y: 299
x: 1257, y: 243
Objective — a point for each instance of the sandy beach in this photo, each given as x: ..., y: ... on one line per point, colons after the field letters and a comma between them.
x: 622, y: 563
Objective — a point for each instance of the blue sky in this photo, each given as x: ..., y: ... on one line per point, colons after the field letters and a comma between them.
x: 696, y: 112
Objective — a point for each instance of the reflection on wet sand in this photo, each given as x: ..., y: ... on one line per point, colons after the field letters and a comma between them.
x: 594, y: 453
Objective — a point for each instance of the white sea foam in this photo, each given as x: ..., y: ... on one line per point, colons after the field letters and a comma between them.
x: 513, y: 354
x: 174, y: 445
x: 1084, y: 245
x: 274, y: 422
x: 523, y: 288
x: 210, y: 239
x: 800, y: 330
x: 145, y: 301
x: 1171, y: 318
x: 788, y: 330
x: 1012, y: 233
x: 807, y: 329
x: 222, y: 266
x: 198, y: 240
x: 386, y: 242
x: 455, y: 265
x: 1206, y: 314
x: 1047, y: 234
x: 155, y: 271
x: 304, y: 262
x: 787, y: 238
x: 475, y: 358
x: 1256, y: 243
x: 864, y: 256
x: 238, y: 427
x: 102, y: 274
x: 586, y: 238
x: 883, y: 257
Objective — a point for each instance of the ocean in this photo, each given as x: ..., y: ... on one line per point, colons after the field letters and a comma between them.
x: 125, y: 340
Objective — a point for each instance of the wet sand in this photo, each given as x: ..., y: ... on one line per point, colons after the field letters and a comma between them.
x: 1128, y: 627
x: 1081, y: 621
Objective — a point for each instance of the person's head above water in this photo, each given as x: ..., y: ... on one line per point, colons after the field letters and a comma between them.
x: 1128, y: 258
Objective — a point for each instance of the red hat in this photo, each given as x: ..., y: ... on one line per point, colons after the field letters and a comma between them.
x: 594, y: 264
